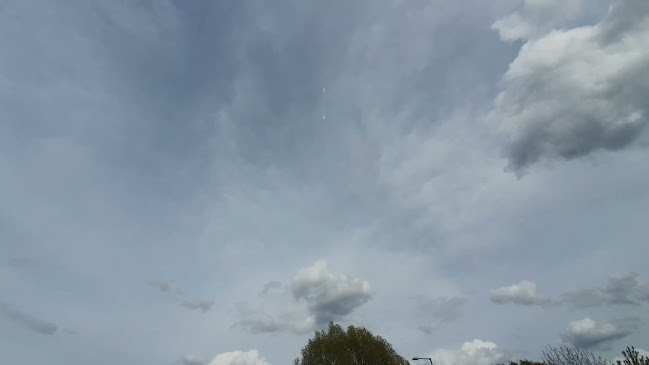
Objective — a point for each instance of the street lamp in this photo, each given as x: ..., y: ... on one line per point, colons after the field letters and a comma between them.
x: 423, y: 358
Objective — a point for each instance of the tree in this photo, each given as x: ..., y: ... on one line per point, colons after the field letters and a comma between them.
x: 356, y: 346
x: 565, y: 355
x: 631, y: 357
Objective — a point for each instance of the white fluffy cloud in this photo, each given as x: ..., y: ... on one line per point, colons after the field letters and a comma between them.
x: 587, y: 333
x: 572, y: 92
x: 523, y: 293
x: 239, y: 358
x: 476, y: 352
x: 328, y: 297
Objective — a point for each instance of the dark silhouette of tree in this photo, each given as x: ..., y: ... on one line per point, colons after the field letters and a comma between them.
x: 356, y: 346
x: 631, y: 357
x: 565, y: 355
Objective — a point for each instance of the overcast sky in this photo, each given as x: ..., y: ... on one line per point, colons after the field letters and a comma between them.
x: 171, y: 193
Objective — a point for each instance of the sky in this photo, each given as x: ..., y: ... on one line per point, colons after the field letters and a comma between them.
x: 171, y: 192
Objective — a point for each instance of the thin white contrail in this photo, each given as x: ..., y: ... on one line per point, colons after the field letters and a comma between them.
x: 323, y: 103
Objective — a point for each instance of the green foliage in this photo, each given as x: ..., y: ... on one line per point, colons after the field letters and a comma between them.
x: 631, y: 357
x: 356, y: 346
x: 565, y: 355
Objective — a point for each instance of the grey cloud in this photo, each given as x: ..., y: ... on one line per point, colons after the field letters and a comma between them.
x: 329, y: 297
x: 34, y: 324
x: 523, y: 293
x: 190, y: 359
x: 257, y: 321
x: 440, y: 311
x: 270, y: 286
x: 203, y: 305
x: 313, y: 298
x: 625, y: 288
x: 293, y: 318
x: 162, y: 285
x: 587, y: 333
x: 584, y: 298
x: 536, y: 18
x: 262, y: 324
x: 572, y: 92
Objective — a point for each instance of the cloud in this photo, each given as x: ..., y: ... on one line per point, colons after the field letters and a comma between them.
x: 162, y: 285
x: 239, y: 358
x: 440, y: 310
x: 262, y: 323
x: 203, y: 305
x: 312, y: 299
x: 270, y: 286
x: 622, y: 288
x: 476, y: 352
x: 626, y: 288
x: 587, y: 333
x: 276, y: 312
x: 572, y: 92
x: 538, y: 17
x: 329, y: 296
x: 523, y: 293
x: 190, y: 359
x: 34, y: 324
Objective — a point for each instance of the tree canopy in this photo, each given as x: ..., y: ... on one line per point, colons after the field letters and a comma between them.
x: 356, y: 346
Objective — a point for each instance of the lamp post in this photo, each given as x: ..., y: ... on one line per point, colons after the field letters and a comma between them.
x: 423, y: 358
